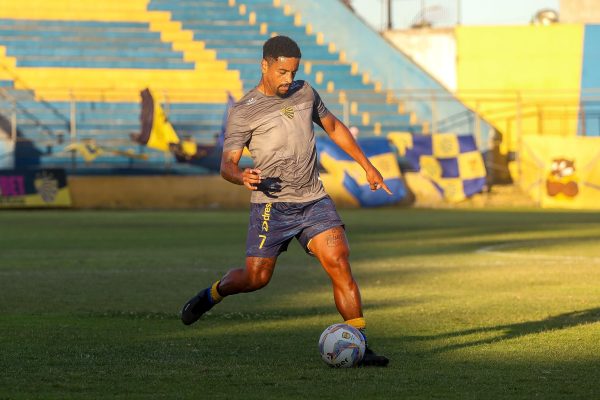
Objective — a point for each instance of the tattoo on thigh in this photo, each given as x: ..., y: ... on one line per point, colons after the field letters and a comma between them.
x: 264, y: 262
x: 335, y: 238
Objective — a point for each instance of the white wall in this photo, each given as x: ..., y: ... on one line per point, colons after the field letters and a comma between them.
x: 432, y: 49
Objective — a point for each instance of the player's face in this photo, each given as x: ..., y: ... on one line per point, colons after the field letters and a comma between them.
x: 278, y: 75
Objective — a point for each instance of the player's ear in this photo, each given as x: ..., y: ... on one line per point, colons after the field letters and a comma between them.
x: 264, y: 66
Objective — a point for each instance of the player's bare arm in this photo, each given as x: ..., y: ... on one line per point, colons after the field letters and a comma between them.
x: 339, y: 133
x: 230, y: 170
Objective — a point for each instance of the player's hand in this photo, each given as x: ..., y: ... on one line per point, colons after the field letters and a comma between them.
x: 376, y: 181
x: 251, y: 178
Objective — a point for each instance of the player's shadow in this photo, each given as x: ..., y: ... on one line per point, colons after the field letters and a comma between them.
x: 513, y: 331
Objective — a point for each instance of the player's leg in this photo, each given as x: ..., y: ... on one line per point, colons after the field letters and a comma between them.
x: 323, y: 235
x: 254, y: 276
x: 331, y: 249
x: 270, y: 230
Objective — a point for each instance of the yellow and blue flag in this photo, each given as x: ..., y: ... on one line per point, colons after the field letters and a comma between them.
x: 452, y: 163
x: 347, y: 178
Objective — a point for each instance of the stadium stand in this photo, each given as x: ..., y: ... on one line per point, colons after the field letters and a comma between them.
x: 72, y: 72
x: 236, y: 33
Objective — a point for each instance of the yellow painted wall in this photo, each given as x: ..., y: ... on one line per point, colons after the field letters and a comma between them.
x: 170, y: 192
x: 541, y: 64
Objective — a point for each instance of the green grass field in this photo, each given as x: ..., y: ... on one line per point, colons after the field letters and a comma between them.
x: 467, y: 305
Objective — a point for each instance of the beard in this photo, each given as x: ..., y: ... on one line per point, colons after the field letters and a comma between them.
x: 282, y: 90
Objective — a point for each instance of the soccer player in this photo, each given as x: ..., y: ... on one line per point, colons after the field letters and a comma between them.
x: 275, y: 121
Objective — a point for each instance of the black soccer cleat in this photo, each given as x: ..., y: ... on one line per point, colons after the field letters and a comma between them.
x: 370, y: 359
x: 196, y: 306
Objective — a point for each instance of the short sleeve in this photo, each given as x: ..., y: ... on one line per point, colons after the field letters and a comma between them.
x: 319, y: 109
x: 237, y: 131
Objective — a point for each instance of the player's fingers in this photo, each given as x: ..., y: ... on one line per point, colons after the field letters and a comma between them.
x: 381, y: 185
x: 252, y: 175
x: 386, y: 188
x: 255, y: 172
x: 250, y: 179
x: 250, y: 185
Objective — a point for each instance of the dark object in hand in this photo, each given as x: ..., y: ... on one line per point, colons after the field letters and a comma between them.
x: 272, y: 185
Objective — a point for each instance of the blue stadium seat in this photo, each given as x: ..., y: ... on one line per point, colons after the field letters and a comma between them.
x: 87, y: 44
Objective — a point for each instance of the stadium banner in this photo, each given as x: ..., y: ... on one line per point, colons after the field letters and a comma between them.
x: 561, y: 172
x: 35, y: 188
x: 345, y: 179
x: 450, y: 163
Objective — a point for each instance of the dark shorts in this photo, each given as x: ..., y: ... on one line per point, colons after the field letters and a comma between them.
x: 273, y: 225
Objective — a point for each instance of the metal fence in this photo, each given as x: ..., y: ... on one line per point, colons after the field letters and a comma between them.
x: 511, y: 113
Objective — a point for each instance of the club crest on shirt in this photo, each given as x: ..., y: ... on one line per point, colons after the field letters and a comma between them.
x: 288, y: 111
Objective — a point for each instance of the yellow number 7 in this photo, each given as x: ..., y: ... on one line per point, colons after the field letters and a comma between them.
x: 263, y: 237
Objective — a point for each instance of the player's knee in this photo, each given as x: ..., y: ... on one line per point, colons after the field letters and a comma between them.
x: 258, y: 280
x: 339, y: 270
x: 338, y: 258
x: 258, y: 272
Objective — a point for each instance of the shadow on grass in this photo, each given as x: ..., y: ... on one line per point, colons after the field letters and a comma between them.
x: 538, y: 244
x: 263, y: 312
x: 513, y: 331
x: 373, y: 234
x: 447, y: 232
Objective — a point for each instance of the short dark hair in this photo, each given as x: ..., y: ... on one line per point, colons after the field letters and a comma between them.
x: 280, y: 46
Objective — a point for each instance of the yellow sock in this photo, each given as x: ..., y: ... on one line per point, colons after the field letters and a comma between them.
x: 358, y: 323
x: 214, y: 293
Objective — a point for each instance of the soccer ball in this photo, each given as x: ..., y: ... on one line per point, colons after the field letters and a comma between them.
x: 342, y: 346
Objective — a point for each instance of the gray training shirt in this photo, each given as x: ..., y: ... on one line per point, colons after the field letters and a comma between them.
x: 279, y: 133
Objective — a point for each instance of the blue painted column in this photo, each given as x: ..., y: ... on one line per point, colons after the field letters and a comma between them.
x: 590, y: 83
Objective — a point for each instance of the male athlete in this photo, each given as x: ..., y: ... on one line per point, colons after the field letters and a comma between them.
x: 275, y: 121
